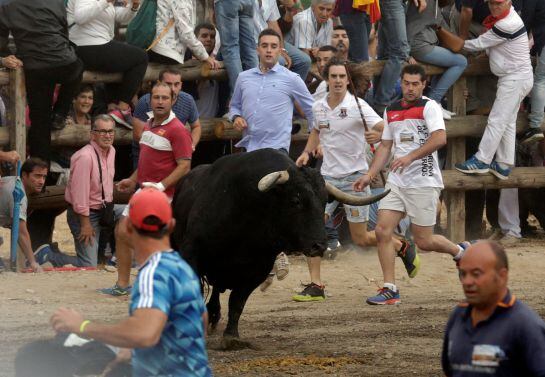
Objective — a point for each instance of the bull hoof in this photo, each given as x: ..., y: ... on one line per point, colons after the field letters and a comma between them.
x: 229, y: 343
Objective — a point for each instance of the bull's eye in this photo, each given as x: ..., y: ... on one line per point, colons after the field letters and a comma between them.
x: 296, y: 202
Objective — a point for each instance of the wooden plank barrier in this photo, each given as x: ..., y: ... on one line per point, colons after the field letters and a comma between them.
x: 460, y: 127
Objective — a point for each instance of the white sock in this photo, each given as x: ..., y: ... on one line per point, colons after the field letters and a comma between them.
x: 502, y: 165
x: 390, y: 286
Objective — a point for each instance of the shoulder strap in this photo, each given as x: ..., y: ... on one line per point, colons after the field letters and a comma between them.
x: 162, y: 34
x: 100, y: 174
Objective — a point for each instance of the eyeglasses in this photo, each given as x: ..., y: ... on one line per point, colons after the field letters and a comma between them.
x: 104, y: 132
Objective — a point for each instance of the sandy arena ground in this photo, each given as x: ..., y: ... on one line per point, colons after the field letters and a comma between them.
x: 342, y: 336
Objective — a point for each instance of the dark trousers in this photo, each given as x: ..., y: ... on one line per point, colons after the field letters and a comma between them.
x: 40, y: 85
x: 117, y: 56
x: 161, y: 59
x: 358, y: 27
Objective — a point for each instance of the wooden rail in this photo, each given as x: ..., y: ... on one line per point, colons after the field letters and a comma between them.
x: 460, y: 127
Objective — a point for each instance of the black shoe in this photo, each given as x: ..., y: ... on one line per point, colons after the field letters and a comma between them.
x: 410, y: 257
x: 532, y: 135
x: 312, y: 292
x: 58, y: 122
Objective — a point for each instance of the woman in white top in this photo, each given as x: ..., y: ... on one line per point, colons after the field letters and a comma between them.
x: 180, y: 35
x: 91, y: 27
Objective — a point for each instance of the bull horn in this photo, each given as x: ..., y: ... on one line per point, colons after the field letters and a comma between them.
x: 353, y: 200
x: 271, y: 179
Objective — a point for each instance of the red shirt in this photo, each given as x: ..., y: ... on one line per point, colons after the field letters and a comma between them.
x: 160, y: 147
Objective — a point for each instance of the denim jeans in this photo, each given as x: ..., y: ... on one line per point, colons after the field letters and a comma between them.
x: 442, y: 57
x: 86, y: 254
x: 538, y: 93
x: 358, y: 27
x: 236, y: 27
x: 393, y: 46
x: 300, y: 62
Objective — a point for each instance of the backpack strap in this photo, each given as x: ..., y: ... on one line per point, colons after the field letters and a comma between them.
x: 162, y: 34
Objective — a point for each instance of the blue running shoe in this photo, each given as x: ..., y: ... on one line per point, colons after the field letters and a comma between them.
x: 116, y: 290
x: 473, y: 166
x: 498, y: 171
x: 42, y: 254
x: 385, y: 296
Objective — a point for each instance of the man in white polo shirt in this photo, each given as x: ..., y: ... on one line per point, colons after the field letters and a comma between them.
x: 339, y: 128
x: 313, y: 27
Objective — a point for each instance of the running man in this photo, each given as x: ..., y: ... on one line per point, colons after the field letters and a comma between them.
x: 339, y: 128
x: 414, y: 127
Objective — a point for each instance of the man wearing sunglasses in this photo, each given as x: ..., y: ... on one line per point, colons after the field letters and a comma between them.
x: 90, y: 186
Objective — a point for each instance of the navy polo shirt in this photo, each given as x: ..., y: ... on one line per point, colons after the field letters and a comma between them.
x: 184, y: 108
x: 511, y: 342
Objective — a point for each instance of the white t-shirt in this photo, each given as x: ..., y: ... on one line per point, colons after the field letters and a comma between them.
x: 342, y: 135
x: 410, y: 127
x: 321, y: 91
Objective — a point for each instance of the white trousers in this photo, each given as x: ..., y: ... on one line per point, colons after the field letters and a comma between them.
x: 499, y: 135
x: 508, y: 212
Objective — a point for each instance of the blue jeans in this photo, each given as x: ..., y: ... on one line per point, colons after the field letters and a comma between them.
x: 536, y: 115
x: 393, y: 46
x: 357, y: 27
x: 300, y: 62
x: 86, y: 254
x: 235, y: 23
x: 442, y: 57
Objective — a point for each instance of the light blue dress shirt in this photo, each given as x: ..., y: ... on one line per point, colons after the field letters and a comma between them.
x: 265, y: 101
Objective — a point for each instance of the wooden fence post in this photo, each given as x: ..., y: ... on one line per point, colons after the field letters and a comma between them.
x: 456, y: 152
x: 16, y: 112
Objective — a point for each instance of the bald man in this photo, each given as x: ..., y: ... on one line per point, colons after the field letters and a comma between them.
x: 491, y: 333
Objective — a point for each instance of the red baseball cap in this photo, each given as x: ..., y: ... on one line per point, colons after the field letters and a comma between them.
x: 149, y: 202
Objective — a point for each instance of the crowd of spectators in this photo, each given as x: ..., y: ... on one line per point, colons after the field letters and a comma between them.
x: 78, y: 35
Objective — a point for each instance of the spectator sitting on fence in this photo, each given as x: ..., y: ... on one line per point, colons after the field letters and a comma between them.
x: 33, y: 173
x: 175, y: 22
x: 425, y: 48
x: 357, y: 26
x: 505, y: 41
x: 266, y: 17
x: 533, y: 15
x: 392, y: 47
x: 183, y: 107
x: 210, y: 95
x: 313, y: 27
x: 234, y: 19
x: 47, y: 59
x: 10, y: 156
x: 92, y: 30
x: 89, y: 193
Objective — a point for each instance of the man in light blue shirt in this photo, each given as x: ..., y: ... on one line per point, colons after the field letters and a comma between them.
x: 264, y: 97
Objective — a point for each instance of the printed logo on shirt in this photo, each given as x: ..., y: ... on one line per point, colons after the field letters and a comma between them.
x: 344, y: 112
x: 487, y: 355
x: 161, y: 132
x: 406, y: 137
x: 323, y: 124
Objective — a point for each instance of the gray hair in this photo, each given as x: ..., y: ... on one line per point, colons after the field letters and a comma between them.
x: 103, y: 118
x: 316, y: 2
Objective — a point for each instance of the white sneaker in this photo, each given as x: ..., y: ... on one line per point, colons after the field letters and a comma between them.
x: 446, y: 114
x: 281, y: 265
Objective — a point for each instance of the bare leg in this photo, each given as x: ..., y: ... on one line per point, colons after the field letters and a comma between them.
x: 123, y: 252
x: 363, y: 237
x: 314, y: 264
x: 427, y: 241
x: 386, y: 223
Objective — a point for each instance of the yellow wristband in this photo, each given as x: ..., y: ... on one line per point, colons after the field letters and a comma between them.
x: 82, y: 326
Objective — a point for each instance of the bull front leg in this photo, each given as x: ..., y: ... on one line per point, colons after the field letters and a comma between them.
x: 237, y: 300
x: 214, y: 309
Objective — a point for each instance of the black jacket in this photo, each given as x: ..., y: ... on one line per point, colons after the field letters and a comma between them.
x: 40, y: 31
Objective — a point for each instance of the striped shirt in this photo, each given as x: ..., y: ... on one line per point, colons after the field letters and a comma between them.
x: 506, y: 44
x: 264, y: 11
x: 305, y: 33
x: 167, y: 283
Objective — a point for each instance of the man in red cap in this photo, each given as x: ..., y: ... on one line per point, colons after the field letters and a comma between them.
x: 167, y: 311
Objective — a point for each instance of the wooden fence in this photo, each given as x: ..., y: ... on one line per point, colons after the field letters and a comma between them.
x: 460, y: 127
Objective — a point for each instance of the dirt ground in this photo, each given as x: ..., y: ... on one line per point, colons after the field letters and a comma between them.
x: 342, y: 336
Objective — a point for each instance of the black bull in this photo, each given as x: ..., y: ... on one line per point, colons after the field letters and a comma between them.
x: 235, y: 216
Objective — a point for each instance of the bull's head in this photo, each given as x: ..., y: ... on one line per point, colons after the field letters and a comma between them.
x: 281, y: 177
